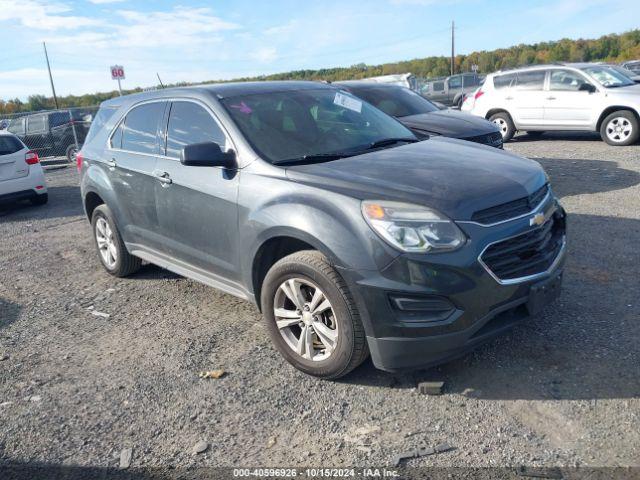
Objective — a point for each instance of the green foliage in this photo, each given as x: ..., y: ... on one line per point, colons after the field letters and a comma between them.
x: 610, y: 48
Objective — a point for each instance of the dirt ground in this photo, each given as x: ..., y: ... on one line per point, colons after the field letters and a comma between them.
x: 91, y: 365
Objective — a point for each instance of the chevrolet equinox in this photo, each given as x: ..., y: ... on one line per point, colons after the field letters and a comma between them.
x: 352, y: 237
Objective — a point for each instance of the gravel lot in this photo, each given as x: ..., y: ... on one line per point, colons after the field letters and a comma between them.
x: 76, y: 387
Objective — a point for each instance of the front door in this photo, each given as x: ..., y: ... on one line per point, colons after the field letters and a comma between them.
x: 197, y: 206
x: 566, y: 105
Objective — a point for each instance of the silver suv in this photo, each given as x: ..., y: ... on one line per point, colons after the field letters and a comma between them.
x: 561, y: 97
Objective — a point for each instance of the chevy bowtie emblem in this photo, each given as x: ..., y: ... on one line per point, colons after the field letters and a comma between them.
x: 537, y: 219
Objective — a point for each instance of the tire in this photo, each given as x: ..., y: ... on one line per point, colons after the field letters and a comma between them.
x: 505, y: 124
x: 620, y: 128
x: 310, y: 271
x: 117, y: 260
x: 71, y: 153
x: 41, y: 199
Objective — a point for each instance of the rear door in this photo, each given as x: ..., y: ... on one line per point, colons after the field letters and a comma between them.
x: 197, y: 210
x: 12, y: 158
x: 566, y: 105
x: 131, y: 161
x: 527, y: 98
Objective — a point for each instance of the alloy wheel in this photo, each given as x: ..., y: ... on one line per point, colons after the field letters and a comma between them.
x: 619, y: 129
x: 106, y: 243
x: 502, y: 125
x: 305, y: 319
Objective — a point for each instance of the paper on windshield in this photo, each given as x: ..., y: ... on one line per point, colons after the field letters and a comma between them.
x: 348, y: 102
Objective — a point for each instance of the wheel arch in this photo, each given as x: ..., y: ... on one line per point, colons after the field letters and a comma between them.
x: 615, y: 108
x: 279, y: 244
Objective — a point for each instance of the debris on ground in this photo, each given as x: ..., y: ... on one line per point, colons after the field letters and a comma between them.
x: 35, y: 398
x: 200, y: 447
x: 271, y: 442
x: 360, y: 435
x: 533, y: 472
x: 431, y: 388
x: 212, y: 374
x: 125, y: 457
x: 99, y: 314
x: 420, y: 452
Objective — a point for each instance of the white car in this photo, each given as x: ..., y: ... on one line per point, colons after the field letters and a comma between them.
x: 21, y: 175
x: 560, y: 97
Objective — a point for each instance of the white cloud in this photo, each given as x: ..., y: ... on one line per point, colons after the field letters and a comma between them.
x: 43, y: 16
x: 103, y: 2
x: 265, y: 54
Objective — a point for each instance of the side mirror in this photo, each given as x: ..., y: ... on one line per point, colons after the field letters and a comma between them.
x: 586, y: 87
x: 207, y: 154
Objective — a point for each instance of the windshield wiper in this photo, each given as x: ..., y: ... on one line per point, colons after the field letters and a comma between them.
x: 317, y: 157
x: 390, y: 141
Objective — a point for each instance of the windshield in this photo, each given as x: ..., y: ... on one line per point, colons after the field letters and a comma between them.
x: 295, y: 124
x: 395, y: 101
x: 608, y: 77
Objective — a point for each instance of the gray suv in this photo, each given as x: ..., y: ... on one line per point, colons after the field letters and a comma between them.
x: 350, y: 235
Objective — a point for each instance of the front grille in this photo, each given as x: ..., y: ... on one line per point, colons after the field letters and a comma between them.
x: 492, y: 139
x: 512, y: 209
x: 527, y: 254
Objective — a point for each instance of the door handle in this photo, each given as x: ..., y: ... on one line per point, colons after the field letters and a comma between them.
x: 162, y: 176
x: 551, y: 98
x: 508, y: 98
x: 112, y: 163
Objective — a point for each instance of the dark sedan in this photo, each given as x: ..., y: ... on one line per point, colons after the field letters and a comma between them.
x: 422, y: 116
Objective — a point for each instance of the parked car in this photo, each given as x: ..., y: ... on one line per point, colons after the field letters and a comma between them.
x: 4, y: 123
x: 50, y: 134
x: 580, y: 96
x: 633, y: 65
x: 350, y: 235
x: 626, y: 72
x: 21, y: 175
x: 451, y: 90
x: 423, y: 117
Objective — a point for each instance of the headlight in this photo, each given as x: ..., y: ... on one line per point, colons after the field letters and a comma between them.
x: 412, y: 228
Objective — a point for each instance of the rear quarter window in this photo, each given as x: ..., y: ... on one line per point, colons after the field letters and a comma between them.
x: 504, y: 81
x: 17, y: 126
x: 36, y: 124
x: 99, y: 122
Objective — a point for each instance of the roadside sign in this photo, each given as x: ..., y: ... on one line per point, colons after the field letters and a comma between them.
x: 474, y: 68
x: 117, y: 72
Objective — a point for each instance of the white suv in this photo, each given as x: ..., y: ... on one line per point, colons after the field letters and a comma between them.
x: 21, y: 175
x: 560, y: 97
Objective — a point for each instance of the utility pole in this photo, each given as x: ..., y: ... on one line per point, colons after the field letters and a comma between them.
x: 55, y: 99
x: 453, y: 57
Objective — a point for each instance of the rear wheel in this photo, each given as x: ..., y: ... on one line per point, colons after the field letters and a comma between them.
x: 111, y: 249
x: 311, y: 316
x: 505, y: 124
x: 71, y: 153
x: 620, y: 128
x: 40, y: 199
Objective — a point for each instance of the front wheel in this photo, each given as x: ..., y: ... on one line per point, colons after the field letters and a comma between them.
x: 504, y: 122
x: 620, y: 128
x: 311, y: 316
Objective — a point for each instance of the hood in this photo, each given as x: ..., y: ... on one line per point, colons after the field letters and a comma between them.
x: 454, y: 177
x: 632, y: 92
x: 450, y: 123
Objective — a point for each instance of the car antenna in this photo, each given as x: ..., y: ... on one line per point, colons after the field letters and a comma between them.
x: 158, y: 75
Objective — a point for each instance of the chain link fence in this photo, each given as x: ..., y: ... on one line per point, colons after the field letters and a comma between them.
x: 55, y: 135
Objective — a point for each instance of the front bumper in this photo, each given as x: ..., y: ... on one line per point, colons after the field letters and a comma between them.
x: 458, y: 303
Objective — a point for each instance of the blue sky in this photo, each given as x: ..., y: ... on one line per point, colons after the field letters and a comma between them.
x: 194, y: 40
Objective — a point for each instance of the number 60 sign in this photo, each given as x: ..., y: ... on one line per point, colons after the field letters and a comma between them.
x: 117, y: 72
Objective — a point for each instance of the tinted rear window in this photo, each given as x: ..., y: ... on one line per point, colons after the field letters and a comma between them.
x: 102, y: 117
x: 533, y: 80
x: 395, y: 101
x: 9, y: 145
x: 141, y: 128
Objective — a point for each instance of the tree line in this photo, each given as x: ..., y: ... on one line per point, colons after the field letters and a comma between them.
x: 608, y: 48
